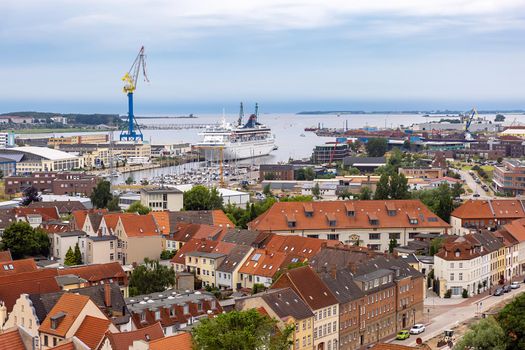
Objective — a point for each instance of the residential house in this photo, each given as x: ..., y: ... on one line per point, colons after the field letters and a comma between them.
x: 126, y: 340
x: 485, y: 213
x: 173, y: 309
x: 370, y: 223
x: 262, y: 266
x: 181, y: 341
x: 64, y: 207
x: 163, y: 198
x: 138, y: 238
x: 288, y: 309
x: 62, y: 241
x: 311, y: 289
x: 517, y: 230
x: 97, y: 274
x: 101, y: 249
x: 227, y: 274
x: 67, y: 317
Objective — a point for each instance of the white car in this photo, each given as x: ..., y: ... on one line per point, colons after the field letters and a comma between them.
x: 417, y: 328
x: 514, y: 285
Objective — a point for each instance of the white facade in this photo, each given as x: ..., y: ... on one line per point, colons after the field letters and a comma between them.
x: 326, y: 327
x: 463, y: 274
x: 61, y: 242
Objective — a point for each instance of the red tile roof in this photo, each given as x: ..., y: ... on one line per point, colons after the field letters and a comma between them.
x: 517, y: 229
x: 201, y: 245
x: 263, y: 262
x: 308, y: 285
x: 92, y: 331
x: 490, y: 209
x: 181, y: 341
x: 162, y: 219
x: 96, y: 272
x: 35, y: 282
x: 5, y: 255
x: 70, y: 306
x: 304, y: 247
x: 17, y: 266
x: 65, y: 346
x: 139, y: 225
x: 183, y: 232
x: 275, y: 218
x: 112, y: 219
x: 48, y: 214
x: 458, y: 248
x: 385, y: 346
x: 122, y: 341
x: 10, y: 339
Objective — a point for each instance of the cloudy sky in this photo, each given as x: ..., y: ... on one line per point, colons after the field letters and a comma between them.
x: 290, y: 55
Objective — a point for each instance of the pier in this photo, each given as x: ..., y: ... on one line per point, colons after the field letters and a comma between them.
x: 177, y: 126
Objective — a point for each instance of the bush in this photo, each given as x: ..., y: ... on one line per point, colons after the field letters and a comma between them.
x: 166, y: 255
x: 448, y: 293
x: 464, y: 294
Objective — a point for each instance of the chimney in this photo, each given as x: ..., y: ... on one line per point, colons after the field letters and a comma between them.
x: 107, y: 294
x: 352, y: 267
x: 333, y: 272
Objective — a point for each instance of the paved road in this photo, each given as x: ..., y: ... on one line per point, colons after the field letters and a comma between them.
x: 476, y: 188
x: 458, y: 314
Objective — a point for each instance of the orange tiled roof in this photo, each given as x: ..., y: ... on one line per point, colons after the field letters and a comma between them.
x: 92, y: 331
x: 10, y: 339
x: 275, y: 218
x: 304, y: 247
x: 96, y: 272
x: 79, y: 216
x: 70, y: 306
x: 39, y: 281
x: 181, y: 341
x: 385, y: 346
x: 112, y: 219
x: 491, y: 208
x: 265, y: 263
x: 65, y: 346
x: 183, y: 232
x: 162, y: 218
x: 517, y: 229
x: 17, y: 266
x: 47, y: 214
x: 123, y: 340
x: 201, y: 245
x: 458, y: 248
x: 5, y: 255
x: 139, y: 225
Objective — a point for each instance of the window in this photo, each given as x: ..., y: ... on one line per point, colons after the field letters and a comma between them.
x: 46, y: 340
x: 157, y: 315
x: 142, y: 316
x: 394, y: 235
x: 461, y: 276
x: 332, y: 236
x: 373, y: 236
x: 451, y: 276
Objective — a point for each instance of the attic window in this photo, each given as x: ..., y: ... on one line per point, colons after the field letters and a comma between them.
x: 55, y: 319
x: 350, y: 213
x: 432, y: 219
x: 308, y: 210
x: 392, y: 212
x: 457, y: 253
x: 256, y: 257
x: 413, y: 221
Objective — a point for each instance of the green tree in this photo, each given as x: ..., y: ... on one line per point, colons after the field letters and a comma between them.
x: 113, y: 204
x: 78, y: 255
x: 457, y: 190
x: 70, y: 258
x: 365, y: 193
x: 240, y: 330
x: 23, y: 240
x: 298, y: 198
x: 201, y: 198
x: 512, y: 321
x: 484, y: 335
x: 316, y: 191
x: 30, y: 195
x: 445, y: 203
x: 269, y: 176
x: 267, y: 190
x: 382, y: 188
x: 101, y: 195
x: 151, y: 277
x: 129, y: 180
x: 352, y: 171
x: 376, y: 147
x: 138, y: 207
x: 392, y: 245
x: 305, y: 174
x: 398, y: 187
x: 435, y: 245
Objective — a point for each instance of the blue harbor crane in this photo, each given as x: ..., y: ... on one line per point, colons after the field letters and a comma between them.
x: 133, y: 132
x: 468, y: 120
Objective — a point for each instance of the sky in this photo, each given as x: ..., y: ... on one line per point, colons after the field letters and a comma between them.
x: 289, y: 55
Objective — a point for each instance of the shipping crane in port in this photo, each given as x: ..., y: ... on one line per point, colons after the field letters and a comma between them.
x: 468, y: 120
x: 133, y: 132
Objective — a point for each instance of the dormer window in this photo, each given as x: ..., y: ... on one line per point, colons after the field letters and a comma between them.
x: 290, y: 219
x: 157, y: 315
x: 412, y: 221
x: 172, y: 311
x: 457, y: 253
x: 392, y: 213
x: 350, y: 213
x: 373, y: 219
x: 308, y: 210
x: 332, y: 222
x: 291, y: 224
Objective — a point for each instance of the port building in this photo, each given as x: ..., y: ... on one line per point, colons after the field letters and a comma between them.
x: 34, y: 159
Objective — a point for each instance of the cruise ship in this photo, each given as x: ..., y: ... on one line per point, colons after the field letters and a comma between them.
x: 236, y: 142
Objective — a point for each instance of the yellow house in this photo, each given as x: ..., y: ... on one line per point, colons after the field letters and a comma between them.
x: 204, y: 265
x: 137, y: 238
x: 288, y: 309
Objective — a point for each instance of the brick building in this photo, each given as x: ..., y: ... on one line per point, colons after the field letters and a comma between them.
x: 59, y: 183
x: 276, y: 172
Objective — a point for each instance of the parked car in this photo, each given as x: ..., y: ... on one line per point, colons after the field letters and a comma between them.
x: 402, y: 335
x: 475, y: 195
x: 417, y: 328
x: 506, y: 289
x: 515, y: 285
x: 498, y: 292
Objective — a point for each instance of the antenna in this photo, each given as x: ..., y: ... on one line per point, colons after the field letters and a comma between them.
x: 241, y: 114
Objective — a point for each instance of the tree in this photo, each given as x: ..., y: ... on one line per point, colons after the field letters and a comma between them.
x: 240, y: 330
x: 391, y: 245
x: 30, y: 195
x: 167, y: 254
x: 269, y: 176
x: 316, y: 191
x: 113, y: 204
x: 138, y: 207
x: 101, y: 195
x: 445, y: 203
x: 399, y: 187
x: 151, y: 277
x: 305, y: 174
x: 499, y: 118
x: 512, y: 321
x: 486, y: 334
x: 78, y: 255
x: 365, y: 193
x: 376, y: 147
x: 23, y: 240
x: 201, y: 198
x: 298, y: 198
x: 129, y: 180
x: 70, y: 258
x: 1, y: 174
x: 267, y: 190
x: 435, y: 245
x: 382, y: 188
x: 457, y: 190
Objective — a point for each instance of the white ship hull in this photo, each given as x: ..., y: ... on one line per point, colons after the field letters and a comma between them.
x: 237, y: 151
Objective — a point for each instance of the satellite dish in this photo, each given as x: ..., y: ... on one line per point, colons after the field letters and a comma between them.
x: 419, y: 341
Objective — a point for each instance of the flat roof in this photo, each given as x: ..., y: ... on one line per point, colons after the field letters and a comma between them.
x: 44, y: 152
x: 161, y: 190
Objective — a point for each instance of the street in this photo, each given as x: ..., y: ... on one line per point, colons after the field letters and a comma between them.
x: 471, y: 183
x: 456, y: 314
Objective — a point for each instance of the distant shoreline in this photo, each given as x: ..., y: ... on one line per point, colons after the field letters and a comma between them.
x: 422, y: 113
